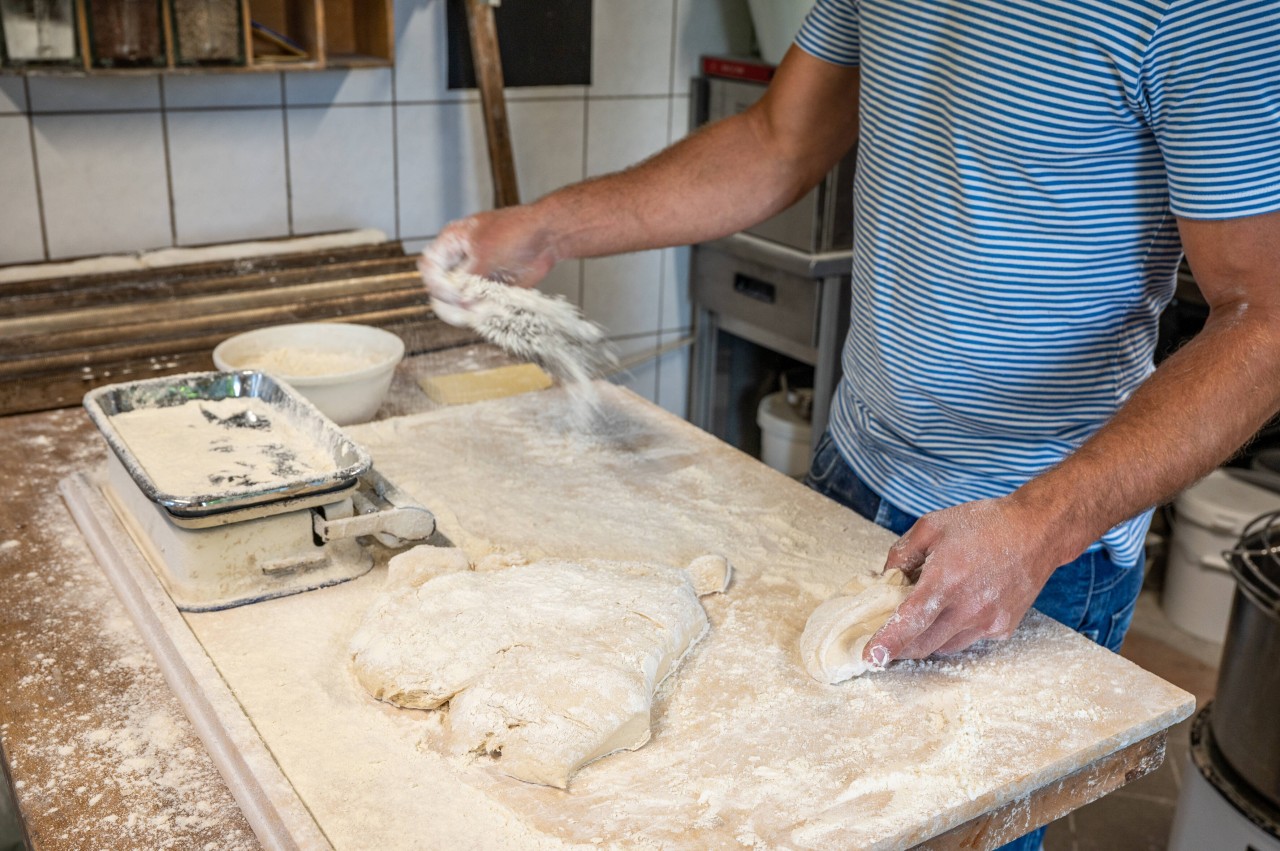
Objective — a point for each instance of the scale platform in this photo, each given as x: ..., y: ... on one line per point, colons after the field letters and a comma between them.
x: 279, y: 500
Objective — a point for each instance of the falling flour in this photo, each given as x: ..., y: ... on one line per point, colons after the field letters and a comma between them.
x: 223, y: 446
x: 546, y: 330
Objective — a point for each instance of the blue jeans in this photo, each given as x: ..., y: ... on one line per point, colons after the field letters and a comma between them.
x: 1091, y: 594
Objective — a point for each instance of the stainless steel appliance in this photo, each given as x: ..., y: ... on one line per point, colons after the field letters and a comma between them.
x: 821, y: 221
x: 1217, y: 808
x: 1231, y: 797
x: 1244, y: 723
x: 771, y: 300
x: 761, y: 294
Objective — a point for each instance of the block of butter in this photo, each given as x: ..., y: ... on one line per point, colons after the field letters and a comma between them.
x: 459, y: 388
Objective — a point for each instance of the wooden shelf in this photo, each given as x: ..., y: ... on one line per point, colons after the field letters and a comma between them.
x: 274, y: 36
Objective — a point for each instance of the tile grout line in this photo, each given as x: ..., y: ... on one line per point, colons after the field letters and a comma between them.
x: 168, y: 165
x: 662, y: 256
x: 671, y: 66
x: 586, y: 159
x: 326, y: 106
x: 288, y: 170
x: 35, y: 167
x: 395, y: 151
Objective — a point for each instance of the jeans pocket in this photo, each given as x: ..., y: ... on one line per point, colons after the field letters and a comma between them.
x: 1119, y: 626
x: 825, y: 459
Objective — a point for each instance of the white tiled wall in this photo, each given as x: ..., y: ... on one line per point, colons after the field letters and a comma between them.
x: 227, y: 168
x: 103, y: 181
x: 102, y: 165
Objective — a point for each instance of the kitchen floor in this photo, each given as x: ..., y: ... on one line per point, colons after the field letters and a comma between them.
x: 1138, y: 817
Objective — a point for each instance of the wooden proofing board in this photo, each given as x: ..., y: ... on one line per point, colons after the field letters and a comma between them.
x: 747, y: 751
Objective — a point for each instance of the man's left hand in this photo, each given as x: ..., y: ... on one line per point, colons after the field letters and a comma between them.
x: 980, y: 567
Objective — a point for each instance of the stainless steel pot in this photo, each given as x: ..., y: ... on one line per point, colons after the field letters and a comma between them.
x: 1244, y: 720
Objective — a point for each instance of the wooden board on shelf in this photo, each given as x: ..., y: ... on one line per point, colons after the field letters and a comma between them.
x: 61, y: 337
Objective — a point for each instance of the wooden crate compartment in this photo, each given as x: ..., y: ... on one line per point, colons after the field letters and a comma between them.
x: 269, y: 35
x: 209, y: 32
x: 125, y: 34
x: 280, y: 28
x: 358, y: 32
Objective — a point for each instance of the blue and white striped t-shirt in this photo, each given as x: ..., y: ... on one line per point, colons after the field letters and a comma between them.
x: 1020, y: 165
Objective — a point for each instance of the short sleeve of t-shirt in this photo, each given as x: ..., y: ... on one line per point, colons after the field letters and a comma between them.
x: 1211, y: 80
x: 830, y: 32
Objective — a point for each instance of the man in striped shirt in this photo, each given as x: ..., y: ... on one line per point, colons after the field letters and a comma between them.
x: 1029, y: 174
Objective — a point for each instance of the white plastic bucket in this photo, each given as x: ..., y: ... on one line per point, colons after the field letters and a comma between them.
x: 777, y: 22
x: 784, y: 444
x: 1206, y: 819
x: 1211, y: 514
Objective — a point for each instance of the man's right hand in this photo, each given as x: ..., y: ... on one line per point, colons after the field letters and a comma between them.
x: 510, y: 245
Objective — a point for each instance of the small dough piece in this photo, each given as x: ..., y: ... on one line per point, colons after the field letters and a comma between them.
x: 497, y: 561
x: 838, y: 631
x: 710, y: 574
x: 421, y: 564
x: 545, y: 666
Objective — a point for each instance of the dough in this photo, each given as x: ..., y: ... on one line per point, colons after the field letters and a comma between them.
x: 838, y: 631
x: 545, y: 666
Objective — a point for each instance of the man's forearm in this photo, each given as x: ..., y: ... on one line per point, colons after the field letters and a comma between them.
x: 982, y: 564
x: 1200, y: 406
x: 720, y: 180
x: 713, y: 183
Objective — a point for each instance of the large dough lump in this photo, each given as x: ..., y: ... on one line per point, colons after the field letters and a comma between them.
x: 545, y: 666
x: 838, y: 631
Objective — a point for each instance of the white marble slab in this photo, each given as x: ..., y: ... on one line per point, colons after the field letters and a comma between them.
x: 747, y: 750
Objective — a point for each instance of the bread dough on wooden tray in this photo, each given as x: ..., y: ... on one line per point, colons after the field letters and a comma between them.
x: 838, y: 631
x: 545, y: 666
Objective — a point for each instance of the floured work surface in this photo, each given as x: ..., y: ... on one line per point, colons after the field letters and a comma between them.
x: 747, y: 750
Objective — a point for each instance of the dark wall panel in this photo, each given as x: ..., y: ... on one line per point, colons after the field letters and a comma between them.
x: 543, y: 43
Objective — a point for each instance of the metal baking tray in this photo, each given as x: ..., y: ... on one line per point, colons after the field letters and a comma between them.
x: 350, y: 460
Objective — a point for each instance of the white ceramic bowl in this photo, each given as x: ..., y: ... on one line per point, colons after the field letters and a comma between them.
x: 345, y: 370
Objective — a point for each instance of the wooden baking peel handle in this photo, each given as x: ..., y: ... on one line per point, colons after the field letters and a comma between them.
x: 488, y: 62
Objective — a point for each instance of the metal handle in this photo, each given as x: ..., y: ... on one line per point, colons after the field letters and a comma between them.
x: 381, y: 510
x: 756, y: 289
x: 1259, y: 540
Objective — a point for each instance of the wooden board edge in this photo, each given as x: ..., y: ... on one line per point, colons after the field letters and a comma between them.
x: 1054, y: 800
x: 278, y: 816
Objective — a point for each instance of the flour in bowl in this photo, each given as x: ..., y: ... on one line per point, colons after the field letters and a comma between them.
x: 309, y: 362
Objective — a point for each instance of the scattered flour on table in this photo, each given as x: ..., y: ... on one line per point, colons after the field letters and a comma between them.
x: 91, y: 715
x: 223, y: 446
x: 746, y: 748
x: 854, y: 765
